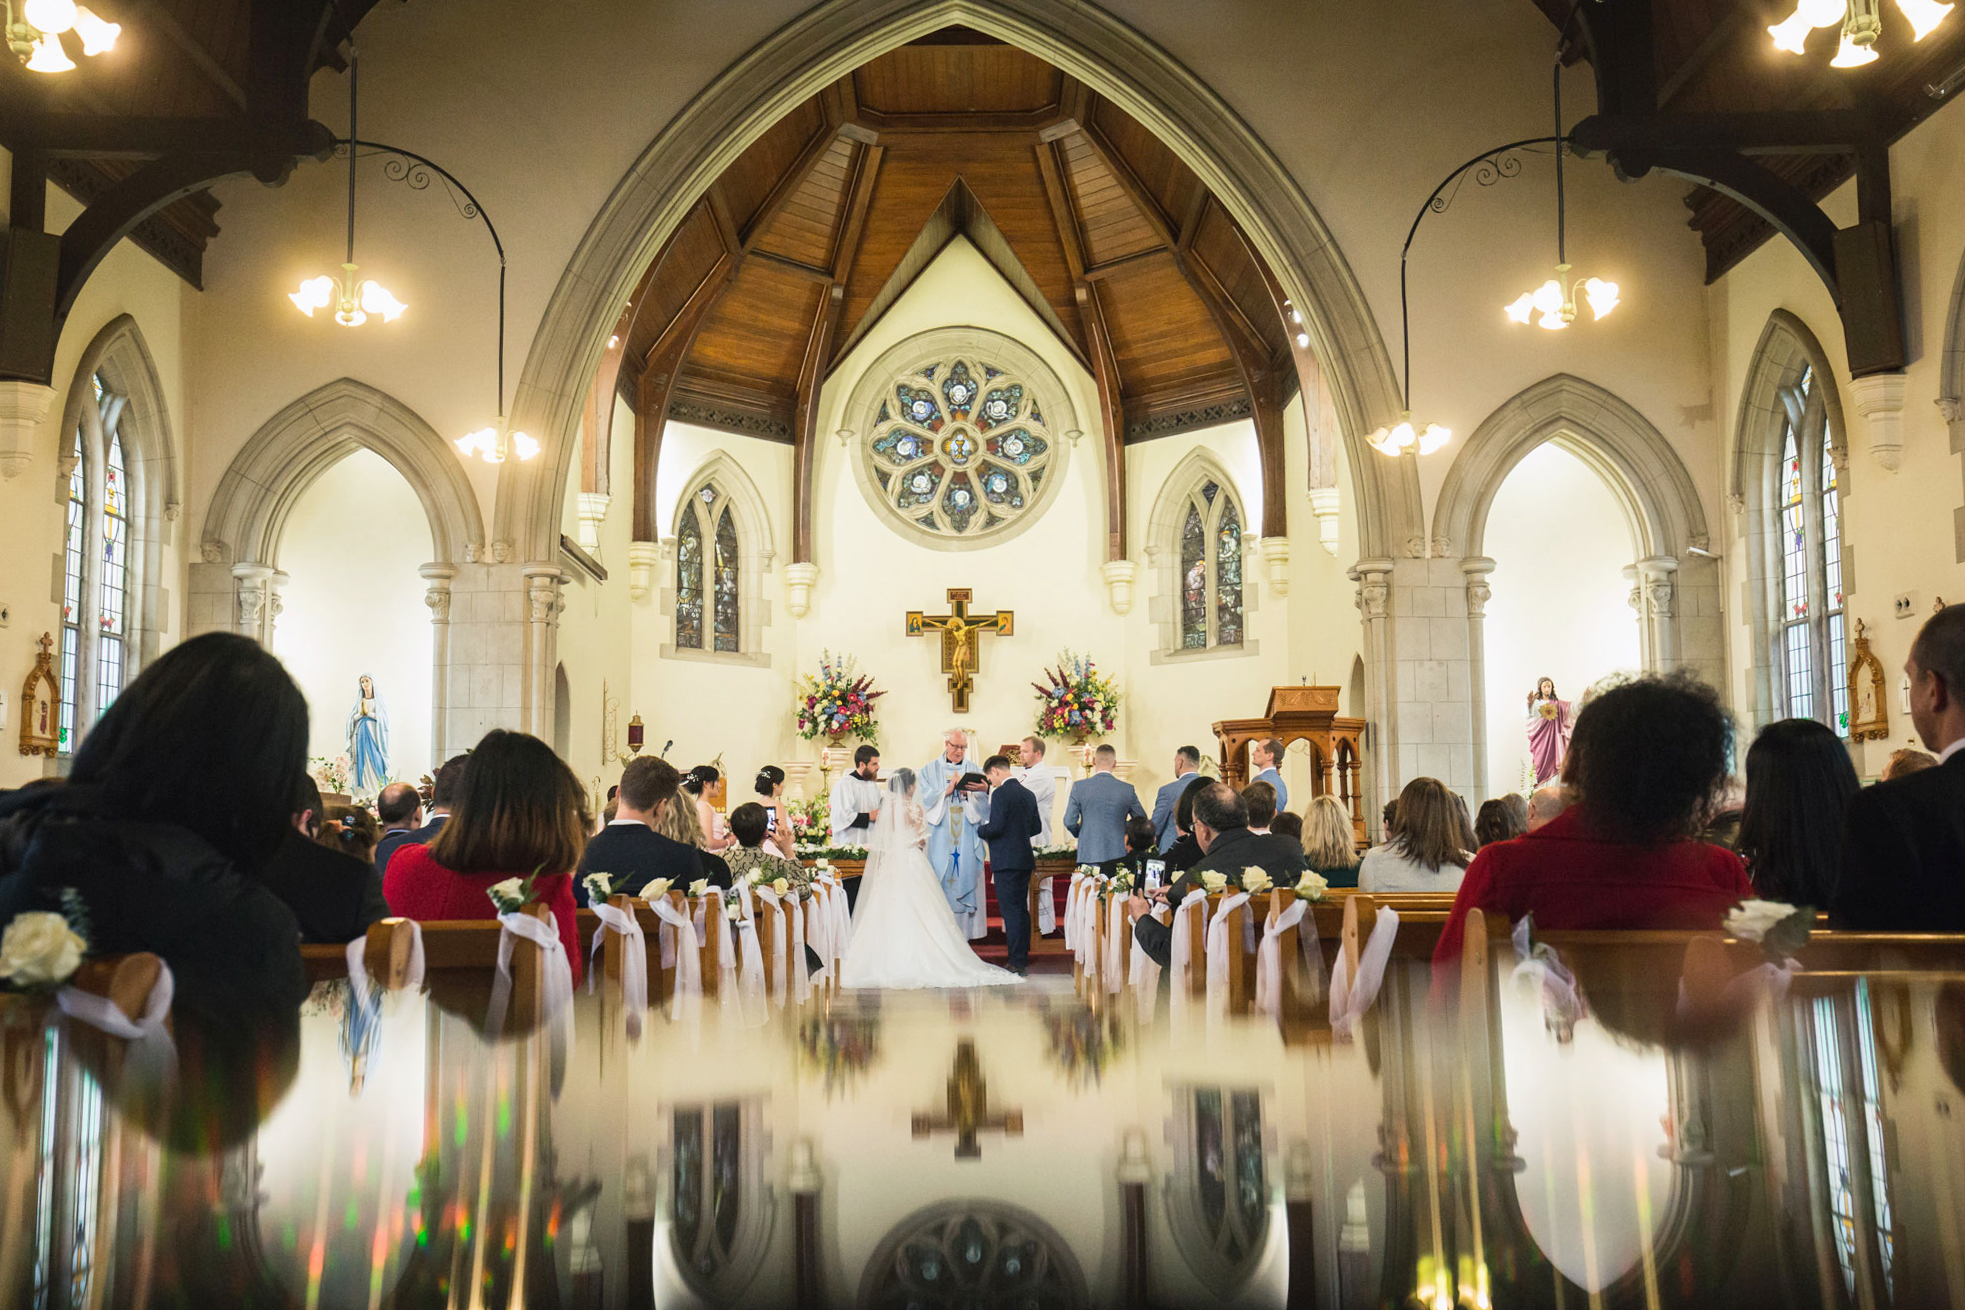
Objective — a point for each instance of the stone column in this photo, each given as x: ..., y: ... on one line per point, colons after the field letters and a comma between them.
x: 1476, y: 568
x: 1373, y: 577
x: 252, y: 586
x: 542, y: 606
x: 1653, y: 598
x: 437, y: 597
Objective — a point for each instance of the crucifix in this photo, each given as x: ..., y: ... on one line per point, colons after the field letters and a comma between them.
x: 968, y: 1108
x: 959, y: 630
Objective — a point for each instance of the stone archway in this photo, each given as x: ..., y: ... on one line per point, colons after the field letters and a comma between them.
x: 1675, y: 577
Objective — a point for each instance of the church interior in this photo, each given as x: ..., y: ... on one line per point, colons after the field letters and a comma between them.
x: 607, y: 371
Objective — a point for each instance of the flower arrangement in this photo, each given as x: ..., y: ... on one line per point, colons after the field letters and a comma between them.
x: 811, y: 821
x: 1078, y: 701
x: 837, y: 701
x: 42, y: 949
x: 332, y: 775
x: 657, y: 888
x: 699, y: 888
x: 599, y: 887
x: 1311, y: 886
x: 1780, y: 929
x: 513, y: 894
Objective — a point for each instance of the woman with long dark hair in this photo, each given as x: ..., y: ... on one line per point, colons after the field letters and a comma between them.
x: 1799, y: 784
x: 1428, y: 851
x: 520, y: 814
x: 177, y: 800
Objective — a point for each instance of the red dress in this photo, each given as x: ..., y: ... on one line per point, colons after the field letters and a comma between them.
x: 417, y: 887
x: 1569, y: 878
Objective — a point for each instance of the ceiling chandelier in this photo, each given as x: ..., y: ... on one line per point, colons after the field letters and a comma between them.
x: 35, y: 35
x: 1555, y: 300
x: 1861, y: 22
x: 354, y: 298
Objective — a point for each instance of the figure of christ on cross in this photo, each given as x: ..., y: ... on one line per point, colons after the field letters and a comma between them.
x: 960, y: 631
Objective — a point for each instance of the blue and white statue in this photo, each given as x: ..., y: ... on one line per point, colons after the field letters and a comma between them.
x: 954, y: 849
x: 368, y: 739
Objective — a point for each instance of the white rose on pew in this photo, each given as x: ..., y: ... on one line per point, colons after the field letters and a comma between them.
x: 1212, y: 882
x: 734, y: 911
x: 782, y: 887
x: 39, y: 949
x: 507, y: 896
x: 1255, y: 881
x: 1311, y: 886
x: 657, y: 888
x: 699, y: 887
x: 599, y: 887
x: 1750, y: 920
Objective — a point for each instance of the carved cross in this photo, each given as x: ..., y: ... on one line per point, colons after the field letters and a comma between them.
x: 960, y: 631
x: 968, y: 1108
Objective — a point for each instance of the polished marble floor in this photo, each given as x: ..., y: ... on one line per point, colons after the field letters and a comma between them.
x: 1010, y: 1147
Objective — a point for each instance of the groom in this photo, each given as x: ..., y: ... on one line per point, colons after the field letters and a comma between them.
x: 1012, y: 822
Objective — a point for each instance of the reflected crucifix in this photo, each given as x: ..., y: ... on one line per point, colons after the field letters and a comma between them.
x: 960, y: 632
x: 968, y: 1108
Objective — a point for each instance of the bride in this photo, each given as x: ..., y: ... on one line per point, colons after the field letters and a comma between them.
x: 904, y: 934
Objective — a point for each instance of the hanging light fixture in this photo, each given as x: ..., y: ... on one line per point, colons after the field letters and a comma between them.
x: 1861, y: 22
x: 354, y: 298
x: 1553, y: 304
x: 35, y: 34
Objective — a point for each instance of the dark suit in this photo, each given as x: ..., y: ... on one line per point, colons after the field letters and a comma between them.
x: 634, y: 854
x: 1903, y: 861
x: 1233, y: 850
x: 334, y: 896
x: 395, y: 841
x: 1166, y: 804
x: 1013, y: 820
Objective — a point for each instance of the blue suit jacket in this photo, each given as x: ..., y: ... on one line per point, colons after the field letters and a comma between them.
x: 1275, y: 779
x: 1097, y: 814
x: 1012, y: 822
x: 1165, y: 804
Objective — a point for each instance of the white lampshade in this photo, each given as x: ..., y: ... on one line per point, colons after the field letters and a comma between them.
x: 1433, y: 438
x: 1383, y: 442
x: 523, y: 446
x: 377, y: 300
x: 98, y: 37
x: 315, y: 293
x: 1548, y: 297
x: 50, y: 16
x: 472, y: 442
x: 1602, y: 296
x: 1522, y: 309
x: 1851, y: 55
x: 49, y: 57
x: 1924, y: 15
x: 1791, y: 32
x: 1552, y: 320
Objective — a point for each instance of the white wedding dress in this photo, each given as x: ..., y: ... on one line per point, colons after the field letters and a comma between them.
x: 904, y: 934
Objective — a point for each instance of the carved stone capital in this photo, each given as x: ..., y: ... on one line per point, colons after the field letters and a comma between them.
x: 800, y: 578
x: 1323, y: 503
x: 1879, y: 400
x: 1276, y: 556
x: 1119, y: 575
x: 1476, y: 568
x: 23, y: 407
x: 642, y: 556
x: 437, y: 595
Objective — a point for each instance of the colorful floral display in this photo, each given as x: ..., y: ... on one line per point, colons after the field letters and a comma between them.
x: 837, y: 701
x: 331, y: 775
x: 811, y: 821
x: 1078, y: 702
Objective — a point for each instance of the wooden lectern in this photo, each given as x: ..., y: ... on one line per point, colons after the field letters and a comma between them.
x: 1307, y: 714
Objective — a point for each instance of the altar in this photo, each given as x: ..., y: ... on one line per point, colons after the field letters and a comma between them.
x: 1307, y: 714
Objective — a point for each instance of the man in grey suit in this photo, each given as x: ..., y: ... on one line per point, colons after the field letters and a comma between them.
x: 1099, y: 807
x: 1187, y: 763
x: 1266, y: 755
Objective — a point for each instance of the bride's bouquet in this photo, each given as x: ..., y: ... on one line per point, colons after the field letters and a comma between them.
x: 837, y: 701
x: 1078, y: 701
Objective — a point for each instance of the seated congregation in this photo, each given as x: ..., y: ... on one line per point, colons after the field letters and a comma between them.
x: 189, y: 828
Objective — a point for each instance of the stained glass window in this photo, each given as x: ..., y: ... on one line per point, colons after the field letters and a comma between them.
x: 688, y: 581
x: 1838, y: 669
x: 958, y: 448
x: 1812, y: 659
x: 73, y: 561
x: 726, y: 582
x: 112, y: 621
x: 1221, y: 1187
x: 1848, y: 1100
x: 1210, y: 569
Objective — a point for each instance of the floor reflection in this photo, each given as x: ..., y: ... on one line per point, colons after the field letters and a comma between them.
x: 1001, y: 1148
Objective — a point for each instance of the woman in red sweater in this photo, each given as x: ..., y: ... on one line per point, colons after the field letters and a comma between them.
x: 520, y: 811
x: 1645, y: 763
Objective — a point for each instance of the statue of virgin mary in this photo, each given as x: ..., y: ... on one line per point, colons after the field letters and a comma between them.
x: 368, y: 739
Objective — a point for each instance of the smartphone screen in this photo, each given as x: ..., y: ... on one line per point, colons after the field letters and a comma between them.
x: 1155, y: 871
x: 770, y: 821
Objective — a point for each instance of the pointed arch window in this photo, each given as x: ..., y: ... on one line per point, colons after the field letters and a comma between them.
x: 74, y: 558
x: 1210, y: 568
x: 708, y: 567
x: 1811, y: 655
x: 113, y: 620
x: 1220, y: 1197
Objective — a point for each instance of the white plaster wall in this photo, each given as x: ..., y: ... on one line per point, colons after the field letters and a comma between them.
x: 595, y: 633
x: 355, y: 605
x: 1560, y: 606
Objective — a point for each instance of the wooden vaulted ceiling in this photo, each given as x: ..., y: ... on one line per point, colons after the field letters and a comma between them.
x: 1715, y: 57
x: 797, y: 250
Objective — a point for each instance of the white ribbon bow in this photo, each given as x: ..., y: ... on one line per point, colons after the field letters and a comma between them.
x: 1145, y: 979
x: 1350, y: 999
x: 634, y: 965
x: 688, y: 963
x: 359, y: 981
x: 555, y: 972
x: 752, y: 991
x: 779, y: 980
x: 1047, y: 907
x: 1112, y: 958
x: 1217, y: 947
x: 153, y: 1053
x: 1269, y: 958
x: 1180, y: 959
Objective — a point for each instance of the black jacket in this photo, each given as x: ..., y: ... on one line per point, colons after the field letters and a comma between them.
x: 394, y: 841
x: 1012, y: 822
x: 1233, y: 851
x: 335, y: 897
x: 232, y: 945
x: 1183, y: 855
x: 634, y: 854
x: 1903, y: 860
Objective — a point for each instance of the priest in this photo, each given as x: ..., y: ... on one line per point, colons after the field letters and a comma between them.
x: 954, y: 849
x: 855, y: 799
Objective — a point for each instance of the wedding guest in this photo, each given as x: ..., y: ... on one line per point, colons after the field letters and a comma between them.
x: 356, y: 832
x: 630, y: 849
x: 1221, y: 826
x: 696, y: 784
x: 1497, y: 821
x: 1386, y: 818
x: 753, y: 853
x: 1903, y: 863
x: 1647, y: 758
x: 520, y: 814
x: 1288, y: 824
x: 1330, y: 846
x: 1903, y: 763
x: 1187, y: 766
x: 1799, y: 785
x: 1185, y: 851
x: 334, y: 894
x: 1518, y: 806
x: 400, y: 809
x: 1428, y: 850
x: 676, y: 819
x: 1546, y: 804
x: 449, y: 781
x: 1140, y: 837
x: 1098, y: 809
x: 1266, y: 756
x: 770, y: 788
x: 176, y: 801
x: 1723, y: 827
x: 1260, y: 800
